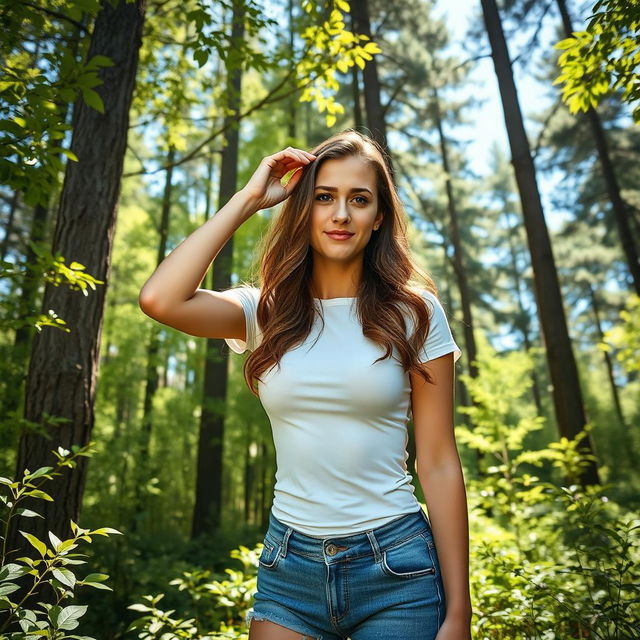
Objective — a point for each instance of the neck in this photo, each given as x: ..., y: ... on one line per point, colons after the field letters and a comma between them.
x: 331, y: 279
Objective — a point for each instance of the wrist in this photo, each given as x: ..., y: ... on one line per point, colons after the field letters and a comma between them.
x: 461, y: 613
x: 247, y: 202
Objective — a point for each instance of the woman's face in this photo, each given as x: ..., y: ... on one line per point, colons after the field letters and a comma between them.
x: 345, y: 199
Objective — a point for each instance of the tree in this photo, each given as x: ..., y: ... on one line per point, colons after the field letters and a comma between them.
x: 208, y: 502
x: 567, y: 394
x: 373, y: 108
x: 62, y: 372
x: 619, y: 207
x: 603, y: 58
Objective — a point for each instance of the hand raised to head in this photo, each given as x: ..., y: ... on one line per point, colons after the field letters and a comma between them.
x: 265, y: 187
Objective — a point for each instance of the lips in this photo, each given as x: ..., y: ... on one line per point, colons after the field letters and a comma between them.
x: 339, y: 235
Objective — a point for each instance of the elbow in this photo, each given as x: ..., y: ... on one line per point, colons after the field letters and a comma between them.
x: 149, y: 303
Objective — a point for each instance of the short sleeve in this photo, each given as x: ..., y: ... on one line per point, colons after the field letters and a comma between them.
x: 439, y: 339
x: 248, y: 297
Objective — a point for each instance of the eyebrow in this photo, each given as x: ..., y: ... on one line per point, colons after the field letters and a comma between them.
x: 350, y: 190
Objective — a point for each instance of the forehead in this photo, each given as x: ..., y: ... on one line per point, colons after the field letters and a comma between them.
x: 345, y: 173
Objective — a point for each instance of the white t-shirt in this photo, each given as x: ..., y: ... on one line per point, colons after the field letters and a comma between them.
x: 339, y: 422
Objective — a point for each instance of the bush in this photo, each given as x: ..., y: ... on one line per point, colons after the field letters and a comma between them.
x: 53, y: 567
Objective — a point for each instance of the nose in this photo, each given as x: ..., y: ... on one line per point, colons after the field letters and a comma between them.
x: 341, y: 212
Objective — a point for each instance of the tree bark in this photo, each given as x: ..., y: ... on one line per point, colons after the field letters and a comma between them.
x: 567, y: 394
x: 207, y: 514
x: 523, y: 321
x: 458, y: 257
x: 61, y: 380
x: 153, y: 351
x: 358, y: 119
x: 373, y: 106
x: 8, y: 229
x: 293, y: 103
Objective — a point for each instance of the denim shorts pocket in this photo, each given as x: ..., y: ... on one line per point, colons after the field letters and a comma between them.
x: 270, y: 555
x: 410, y: 558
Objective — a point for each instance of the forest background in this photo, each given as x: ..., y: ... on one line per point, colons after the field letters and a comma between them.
x: 125, y: 125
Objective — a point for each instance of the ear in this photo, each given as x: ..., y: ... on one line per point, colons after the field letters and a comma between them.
x: 378, y: 221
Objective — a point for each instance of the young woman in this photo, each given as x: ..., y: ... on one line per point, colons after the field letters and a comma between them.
x: 343, y: 345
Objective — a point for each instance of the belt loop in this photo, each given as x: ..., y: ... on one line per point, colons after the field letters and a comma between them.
x: 425, y: 517
x: 285, y: 541
x: 374, y: 545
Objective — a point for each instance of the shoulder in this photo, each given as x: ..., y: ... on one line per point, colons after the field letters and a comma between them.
x: 246, y: 292
x: 433, y: 301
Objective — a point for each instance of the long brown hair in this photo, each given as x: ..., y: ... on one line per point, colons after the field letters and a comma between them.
x: 286, y: 307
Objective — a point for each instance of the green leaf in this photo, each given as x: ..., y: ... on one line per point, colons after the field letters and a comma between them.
x: 99, y: 61
x: 93, y: 99
x: 68, y: 617
x: 95, y: 577
x: 103, y: 531
x: 12, y: 571
x: 55, y: 541
x: 67, y: 544
x: 38, y: 473
x: 7, y: 588
x: 65, y: 576
x: 27, y: 513
x: 40, y: 546
x: 36, y: 493
x: 97, y: 585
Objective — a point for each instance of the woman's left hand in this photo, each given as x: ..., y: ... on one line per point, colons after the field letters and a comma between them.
x: 454, y: 629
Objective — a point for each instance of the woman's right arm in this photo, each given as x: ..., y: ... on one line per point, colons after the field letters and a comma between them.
x: 172, y: 295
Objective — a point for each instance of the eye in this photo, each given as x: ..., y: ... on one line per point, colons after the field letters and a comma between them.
x: 320, y: 196
x: 364, y: 200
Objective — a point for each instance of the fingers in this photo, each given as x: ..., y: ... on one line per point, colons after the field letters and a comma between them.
x: 291, y: 154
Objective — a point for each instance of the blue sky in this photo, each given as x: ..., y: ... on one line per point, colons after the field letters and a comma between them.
x: 488, y: 127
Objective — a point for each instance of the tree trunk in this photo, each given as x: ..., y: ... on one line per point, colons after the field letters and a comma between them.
x: 207, y: 513
x: 626, y: 429
x: 153, y: 350
x: 458, y: 258
x: 38, y: 232
x: 620, y: 209
x: 153, y: 379
x: 523, y: 321
x: 358, y: 119
x: 8, y: 229
x: 14, y: 387
x: 62, y: 374
x: 374, y: 112
x: 567, y: 395
x: 292, y: 102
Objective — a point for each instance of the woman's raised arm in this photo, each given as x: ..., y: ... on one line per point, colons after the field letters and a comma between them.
x: 172, y: 295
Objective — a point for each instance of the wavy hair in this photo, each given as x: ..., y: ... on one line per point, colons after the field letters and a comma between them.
x: 286, y: 307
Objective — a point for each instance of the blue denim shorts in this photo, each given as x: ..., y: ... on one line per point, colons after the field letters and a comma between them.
x: 381, y: 583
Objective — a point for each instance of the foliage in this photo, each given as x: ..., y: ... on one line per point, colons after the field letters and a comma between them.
x: 625, y: 336
x: 566, y: 570
x: 603, y: 58
x: 37, y: 83
x: 328, y: 39
x: 232, y: 597
x: 53, y: 270
x: 547, y: 561
x: 52, y: 568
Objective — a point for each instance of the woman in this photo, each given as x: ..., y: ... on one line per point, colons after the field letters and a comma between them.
x: 342, y: 347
